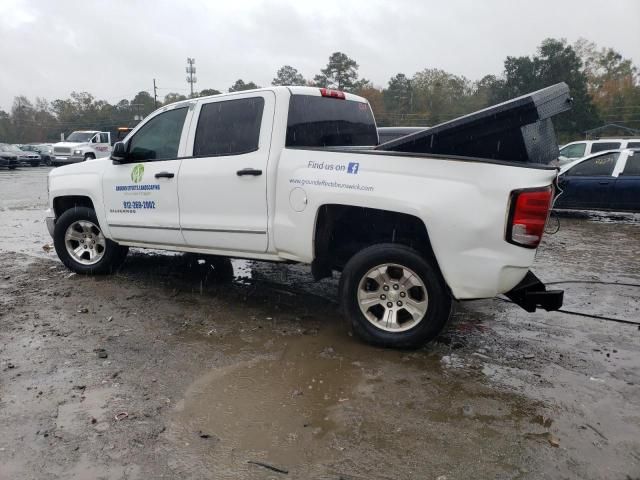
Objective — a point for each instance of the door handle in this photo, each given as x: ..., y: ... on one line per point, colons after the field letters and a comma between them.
x: 249, y: 171
x: 604, y: 182
x: 164, y: 175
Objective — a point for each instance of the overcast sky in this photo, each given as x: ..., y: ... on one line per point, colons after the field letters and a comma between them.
x: 113, y: 49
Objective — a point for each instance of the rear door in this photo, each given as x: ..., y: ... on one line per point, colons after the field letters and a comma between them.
x: 589, y: 184
x: 141, y: 198
x: 626, y: 191
x: 223, y: 181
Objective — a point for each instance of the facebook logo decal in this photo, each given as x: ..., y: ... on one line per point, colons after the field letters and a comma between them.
x: 353, y: 167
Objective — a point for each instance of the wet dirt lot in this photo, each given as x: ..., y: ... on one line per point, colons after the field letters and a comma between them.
x: 164, y: 370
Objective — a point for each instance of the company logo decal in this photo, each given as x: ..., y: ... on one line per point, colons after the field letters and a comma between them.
x: 137, y: 173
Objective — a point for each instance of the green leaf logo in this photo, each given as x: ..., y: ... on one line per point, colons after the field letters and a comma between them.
x: 137, y: 173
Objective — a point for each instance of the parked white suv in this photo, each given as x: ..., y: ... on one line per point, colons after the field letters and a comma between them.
x: 574, y: 150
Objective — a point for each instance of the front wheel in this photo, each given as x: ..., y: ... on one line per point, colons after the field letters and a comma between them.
x: 393, y: 296
x: 81, y: 245
x: 89, y: 156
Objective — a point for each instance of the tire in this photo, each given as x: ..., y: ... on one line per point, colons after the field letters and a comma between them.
x: 419, y: 289
x: 13, y: 167
x: 103, y: 256
x: 89, y: 156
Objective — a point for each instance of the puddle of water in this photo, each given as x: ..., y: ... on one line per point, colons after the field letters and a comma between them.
x: 325, y: 404
x: 278, y: 407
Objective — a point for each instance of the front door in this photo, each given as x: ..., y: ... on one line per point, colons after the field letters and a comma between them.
x: 588, y: 184
x: 101, y: 144
x: 223, y: 184
x: 141, y: 196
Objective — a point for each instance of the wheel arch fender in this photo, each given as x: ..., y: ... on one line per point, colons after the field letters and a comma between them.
x: 64, y: 201
x: 336, y: 223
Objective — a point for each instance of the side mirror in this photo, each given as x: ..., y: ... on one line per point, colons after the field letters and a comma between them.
x: 119, y: 153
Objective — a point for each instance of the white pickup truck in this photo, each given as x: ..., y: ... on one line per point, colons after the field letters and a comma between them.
x: 295, y: 174
x: 81, y: 146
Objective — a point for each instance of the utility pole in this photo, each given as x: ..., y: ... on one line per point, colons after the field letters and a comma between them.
x: 191, y: 70
x: 155, y: 94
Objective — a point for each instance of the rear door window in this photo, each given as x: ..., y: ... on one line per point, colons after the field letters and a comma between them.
x: 329, y: 122
x: 231, y: 127
x: 632, y: 168
x: 602, y: 146
x: 600, y: 166
x: 633, y: 145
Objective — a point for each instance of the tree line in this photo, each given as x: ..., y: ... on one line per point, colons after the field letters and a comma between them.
x: 604, y: 85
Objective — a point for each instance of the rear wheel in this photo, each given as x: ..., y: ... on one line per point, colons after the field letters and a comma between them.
x: 393, y: 296
x: 81, y: 245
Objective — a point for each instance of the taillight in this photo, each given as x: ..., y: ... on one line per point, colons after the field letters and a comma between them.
x: 528, y: 216
x: 327, y: 92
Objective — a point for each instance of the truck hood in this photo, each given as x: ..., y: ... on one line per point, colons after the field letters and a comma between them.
x: 94, y: 166
x: 69, y: 144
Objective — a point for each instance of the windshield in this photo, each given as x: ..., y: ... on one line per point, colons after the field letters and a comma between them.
x: 329, y: 122
x: 575, y: 150
x: 10, y: 148
x: 80, y: 137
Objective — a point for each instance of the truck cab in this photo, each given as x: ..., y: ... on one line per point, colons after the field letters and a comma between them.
x: 81, y: 146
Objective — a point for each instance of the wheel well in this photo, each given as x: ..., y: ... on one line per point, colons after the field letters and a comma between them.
x: 62, y: 204
x: 343, y: 230
x: 90, y: 154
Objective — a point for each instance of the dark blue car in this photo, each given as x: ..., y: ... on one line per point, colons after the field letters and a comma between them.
x: 604, y: 181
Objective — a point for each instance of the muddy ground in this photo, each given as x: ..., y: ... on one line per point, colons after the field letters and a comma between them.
x: 166, y: 371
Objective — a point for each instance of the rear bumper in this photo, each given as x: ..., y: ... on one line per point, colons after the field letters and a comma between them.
x: 531, y: 294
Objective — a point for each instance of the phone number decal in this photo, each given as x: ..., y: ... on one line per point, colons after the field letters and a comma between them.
x: 133, y: 205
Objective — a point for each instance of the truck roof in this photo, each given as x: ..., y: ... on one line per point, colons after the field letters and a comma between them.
x: 294, y: 90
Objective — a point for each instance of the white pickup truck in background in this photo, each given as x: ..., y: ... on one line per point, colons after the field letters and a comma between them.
x: 81, y: 146
x: 249, y: 175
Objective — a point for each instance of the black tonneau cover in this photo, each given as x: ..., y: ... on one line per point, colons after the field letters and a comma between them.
x: 518, y: 130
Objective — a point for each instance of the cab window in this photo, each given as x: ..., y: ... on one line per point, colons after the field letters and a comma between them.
x: 602, y: 146
x: 573, y: 151
x: 104, y: 138
x: 159, y: 138
x: 600, y: 166
x: 230, y: 127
